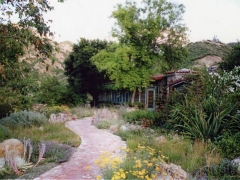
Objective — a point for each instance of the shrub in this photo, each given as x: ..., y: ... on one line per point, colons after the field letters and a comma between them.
x: 55, y: 152
x: 103, y: 124
x: 226, y: 169
x: 229, y: 145
x: 52, y: 91
x: 23, y: 119
x: 4, y: 133
x: 146, y: 118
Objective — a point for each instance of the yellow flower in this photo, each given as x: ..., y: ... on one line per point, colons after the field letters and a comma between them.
x: 87, y: 167
x: 98, y: 177
x: 164, y: 173
x: 150, y: 164
x: 153, y: 176
x: 147, y: 177
x: 123, y: 175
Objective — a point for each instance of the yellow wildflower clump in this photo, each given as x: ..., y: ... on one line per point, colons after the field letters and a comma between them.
x: 139, y: 163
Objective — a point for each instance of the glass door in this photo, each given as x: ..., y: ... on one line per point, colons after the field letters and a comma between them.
x: 151, y: 99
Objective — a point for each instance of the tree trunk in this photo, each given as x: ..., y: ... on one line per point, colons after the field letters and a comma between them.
x: 133, y: 95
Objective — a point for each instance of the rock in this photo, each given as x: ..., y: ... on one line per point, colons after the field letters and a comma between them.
x: 123, y: 128
x: 172, y: 171
x: 74, y: 117
x: 12, y: 146
x: 236, y: 162
x: 160, y: 139
x: 2, y: 163
x: 113, y: 128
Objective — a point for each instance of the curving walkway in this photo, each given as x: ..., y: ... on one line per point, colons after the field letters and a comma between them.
x: 94, y: 142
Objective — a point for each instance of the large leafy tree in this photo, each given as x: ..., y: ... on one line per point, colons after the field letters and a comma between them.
x: 22, y: 26
x: 30, y: 28
x: 83, y: 76
x: 150, y: 38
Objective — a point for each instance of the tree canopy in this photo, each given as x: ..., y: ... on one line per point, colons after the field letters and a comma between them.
x: 22, y: 22
x: 151, y: 39
x: 22, y: 25
x: 83, y: 76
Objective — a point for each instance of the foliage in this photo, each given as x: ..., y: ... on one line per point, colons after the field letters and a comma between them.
x: 17, y: 85
x: 229, y: 144
x: 52, y: 91
x: 199, y: 50
x: 190, y: 155
x: 103, y: 124
x: 83, y: 76
x: 146, y: 118
x: 48, y: 132
x: 201, y: 126
x: 208, y: 109
x: 55, y: 152
x: 23, y: 119
x: 233, y: 58
x: 150, y: 40
x: 136, y: 104
x: 82, y: 112
x: 30, y: 16
x: 226, y: 169
x: 4, y: 133
x: 140, y: 163
x: 30, y: 31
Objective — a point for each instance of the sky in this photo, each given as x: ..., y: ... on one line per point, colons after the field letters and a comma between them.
x: 90, y: 19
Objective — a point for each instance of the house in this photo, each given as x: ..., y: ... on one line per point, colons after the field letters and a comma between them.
x: 156, y: 93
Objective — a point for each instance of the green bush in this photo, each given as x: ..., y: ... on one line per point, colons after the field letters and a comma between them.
x: 4, y: 133
x: 103, y: 124
x: 226, y: 169
x: 229, y: 145
x: 143, y: 116
x: 52, y: 91
x: 23, y: 119
x: 207, y: 110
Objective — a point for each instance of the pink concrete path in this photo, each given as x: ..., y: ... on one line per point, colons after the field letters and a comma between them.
x: 94, y: 142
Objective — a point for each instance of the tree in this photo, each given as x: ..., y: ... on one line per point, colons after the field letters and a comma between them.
x: 31, y: 27
x: 83, y: 76
x: 233, y: 59
x: 52, y: 91
x: 16, y: 76
x: 150, y: 38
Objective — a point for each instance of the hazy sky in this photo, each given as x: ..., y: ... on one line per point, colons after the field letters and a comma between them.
x: 89, y: 19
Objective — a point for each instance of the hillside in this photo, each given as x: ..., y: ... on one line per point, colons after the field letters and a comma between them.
x: 207, y: 52
x: 60, y: 53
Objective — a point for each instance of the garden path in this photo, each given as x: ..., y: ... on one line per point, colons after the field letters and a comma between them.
x: 94, y: 142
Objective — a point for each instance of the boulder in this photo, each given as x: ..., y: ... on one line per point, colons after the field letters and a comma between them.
x: 11, y: 146
x: 113, y: 128
x: 74, y: 117
x: 160, y: 139
x: 123, y: 128
x: 172, y: 171
x: 236, y: 162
